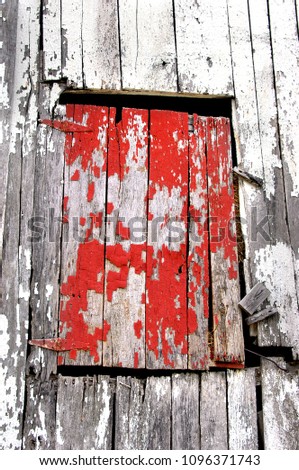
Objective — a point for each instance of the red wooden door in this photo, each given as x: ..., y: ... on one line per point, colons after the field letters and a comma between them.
x: 149, y: 269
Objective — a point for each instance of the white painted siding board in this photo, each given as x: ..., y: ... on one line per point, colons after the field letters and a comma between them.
x: 101, y: 59
x: 52, y: 39
x: 280, y: 399
x: 203, y: 48
x: 242, y: 411
x: 148, y: 54
x: 72, y: 59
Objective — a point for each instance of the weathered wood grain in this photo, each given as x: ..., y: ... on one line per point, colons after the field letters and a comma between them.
x: 280, y: 406
x: 185, y: 411
x: 125, y: 266
x: 148, y: 55
x: 39, y: 431
x: 285, y: 50
x: 227, y: 322
x: 100, y: 43
x: 203, y: 66
x: 17, y: 248
x: 166, y: 328
x: 71, y: 46
x: 51, y: 39
x: 84, y: 413
x: 82, y: 262
x: 198, y: 258
x: 254, y: 298
x: 242, y: 411
x: 261, y: 315
x: 213, y: 411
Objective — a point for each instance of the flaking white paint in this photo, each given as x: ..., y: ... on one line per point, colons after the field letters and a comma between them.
x: 104, y: 418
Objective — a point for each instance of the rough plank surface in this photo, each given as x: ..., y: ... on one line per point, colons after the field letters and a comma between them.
x: 261, y: 315
x: 51, y: 39
x: 148, y: 55
x: 242, y: 411
x: 203, y: 65
x: 280, y: 406
x: 254, y: 298
x: 100, y: 44
x: 185, y: 411
x: 84, y: 413
x: 125, y: 266
x: 72, y: 47
x: 213, y: 411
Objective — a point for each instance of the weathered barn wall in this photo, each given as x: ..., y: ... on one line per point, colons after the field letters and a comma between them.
x: 244, y: 49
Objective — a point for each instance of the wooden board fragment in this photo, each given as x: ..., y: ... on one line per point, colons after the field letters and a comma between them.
x: 198, y: 256
x: 51, y: 39
x: 125, y: 251
x: 185, y: 412
x: 200, y: 28
x: 148, y: 55
x: 100, y: 44
x: 82, y: 268
x: 261, y: 315
x: 72, y: 50
x: 166, y: 303
x: 84, y: 413
x: 255, y: 297
x: 280, y: 406
x: 213, y: 412
x: 242, y: 411
x: 227, y: 322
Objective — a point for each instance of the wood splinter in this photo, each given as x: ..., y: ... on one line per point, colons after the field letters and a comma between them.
x: 261, y: 315
x: 248, y: 177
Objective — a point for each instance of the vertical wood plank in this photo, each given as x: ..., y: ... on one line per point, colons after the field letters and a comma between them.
x: 84, y: 413
x: 51, y: 39
x: 125, y: 246
x: 213, y: 411
x: 185, y: 412
x: 242, y: 411
x: 166, y: 304
x: 227, y: 322
x: 17, y: 269
x: 280, y: 406
x: 82, y: 271
x: 72, y: 50
x: 148, y: 55
x: 203, y: 66
x: 198, y: 256
x: 100, y: 42
x: 40, y: 416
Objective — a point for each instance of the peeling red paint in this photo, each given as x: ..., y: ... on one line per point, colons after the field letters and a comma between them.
x: 122, y: 231
x: 90, y: 193
x: 76, y: 176
x: 136, y: 360
x: 137, y: 328
x: 66, y: 126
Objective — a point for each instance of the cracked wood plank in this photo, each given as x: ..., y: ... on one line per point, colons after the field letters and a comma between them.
x: 213, y: 411
x: 280, y: 406
x: 125, y: 263
x: 227, y: 322
x: 71, y: 46
x: 84, y: 413
x: 185, y: 412
x: 51, y: 21
x: 148, y: 55
x: 100, y: 43
x: 19, y: 206
x: 166, y: 328
x: 242, y: 411
x: 82, y: 265
x: 200, y: 28
x: 198, y: 256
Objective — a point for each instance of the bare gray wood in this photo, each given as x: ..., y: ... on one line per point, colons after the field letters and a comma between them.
x: 261, y: 315
x: 255, y: 297
x: 84, y: 413
x: 242, y: 411
x: 280, y: 406
x: 148, y: 55
x: 39, y: 431
x: 185, y: 412
x: 213, y: 411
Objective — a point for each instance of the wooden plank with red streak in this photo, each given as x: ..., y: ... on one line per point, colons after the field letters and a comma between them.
x: 227, y: 324
x: 125, y: 263
x: 198, y: 256
x: 82, y: 271
x: 166, y: 303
